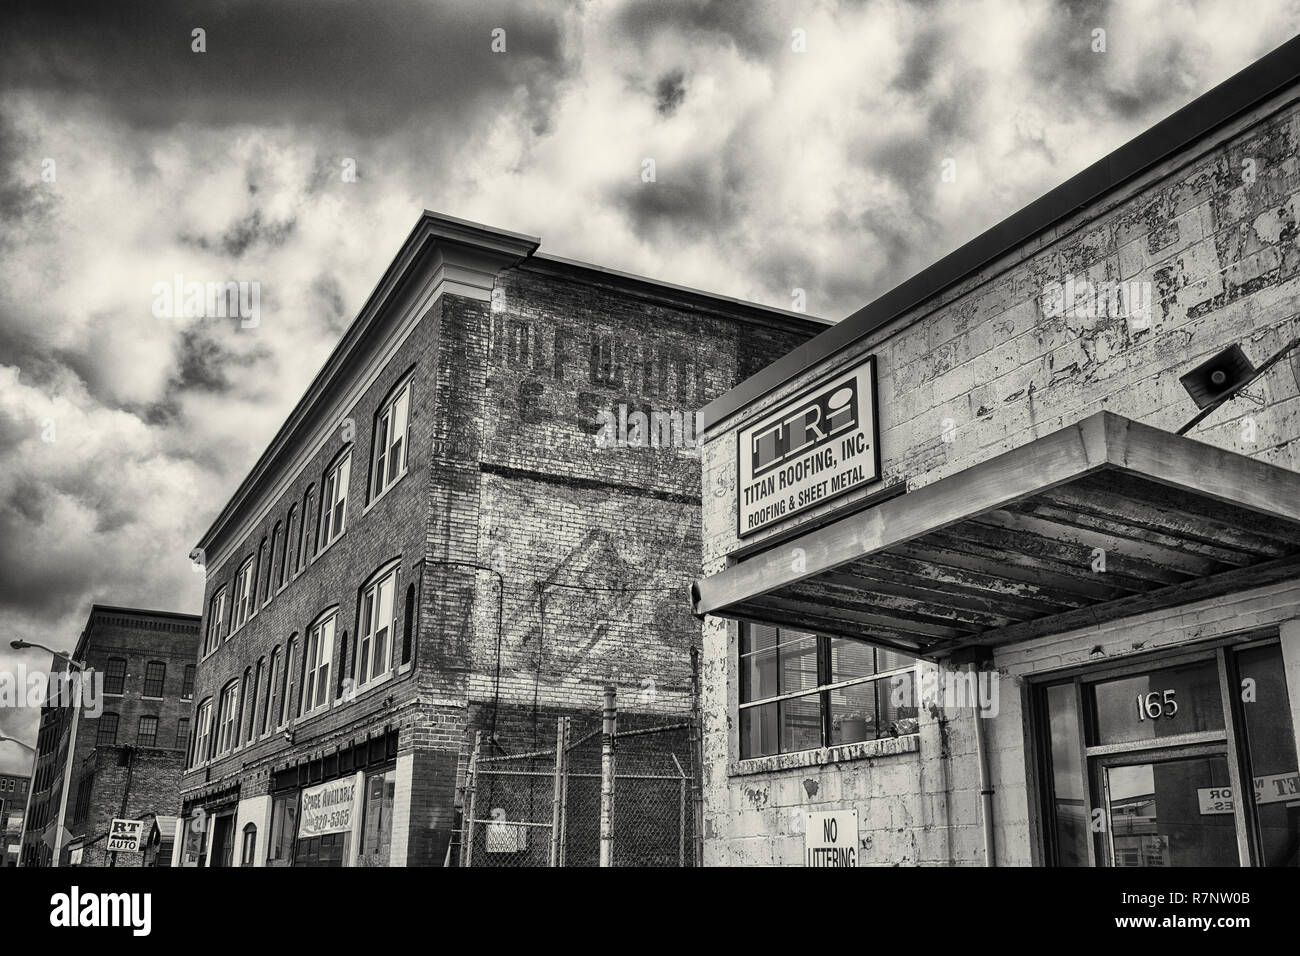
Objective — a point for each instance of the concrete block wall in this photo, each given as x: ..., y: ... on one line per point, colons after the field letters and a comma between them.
x: 990, y: 365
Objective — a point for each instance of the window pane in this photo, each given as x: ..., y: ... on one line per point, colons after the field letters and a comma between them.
x: 757, y: 637
x: 1161, y: 703
x: 1069, y: 801
x: 1156, y: 818
x: 853, y: 713
x: 801, y: 723
x: 798, y: 662
x: 1270, y: 741
x: 850, y: 659
x: 758, y: 736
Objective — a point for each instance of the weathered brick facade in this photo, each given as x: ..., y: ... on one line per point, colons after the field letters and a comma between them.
x: 991, y: 363
x: 542, y: 566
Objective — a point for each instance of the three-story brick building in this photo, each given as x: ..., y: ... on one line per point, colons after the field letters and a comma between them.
x: 465, y: 525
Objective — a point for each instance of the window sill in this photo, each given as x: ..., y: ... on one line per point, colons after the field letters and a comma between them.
x: 840, y: 753
x: 329, y: 544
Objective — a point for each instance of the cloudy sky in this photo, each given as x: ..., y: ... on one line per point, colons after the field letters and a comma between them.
x: 126, y: 157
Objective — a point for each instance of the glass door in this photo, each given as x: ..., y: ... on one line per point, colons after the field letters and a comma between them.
x: 1141, y: 764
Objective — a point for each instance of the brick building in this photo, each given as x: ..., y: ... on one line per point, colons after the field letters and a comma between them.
x: 458, y: 530
x: 974, y: 597
x: 13, y: 804
x: 130, y: 742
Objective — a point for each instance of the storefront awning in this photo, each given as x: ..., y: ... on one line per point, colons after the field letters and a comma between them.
x: 1100, y: 520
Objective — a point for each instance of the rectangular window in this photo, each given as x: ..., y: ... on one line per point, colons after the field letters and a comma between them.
x: 155, y: 676
x: 390, y: 443
x: 318, y: 652
x: 182, y: 733
x: 801, y: 691
x: 334, y: 501
x: 284, y: 827
x: 106, y: 730
x: 187, y: 684
x: 115, y: 675
x: 147, y: 734
x: 203, y: 733
x: 289, y: 705
x: 228, y: 718
x: 216, y: 621
x: 376, y: 629
x: 242, y: 606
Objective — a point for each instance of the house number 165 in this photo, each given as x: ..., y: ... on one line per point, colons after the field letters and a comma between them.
x: 1157, y: 704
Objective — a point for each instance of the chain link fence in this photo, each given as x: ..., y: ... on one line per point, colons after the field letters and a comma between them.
x: 629, y: 796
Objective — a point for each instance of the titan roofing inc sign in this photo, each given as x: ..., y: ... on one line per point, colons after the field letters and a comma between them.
x: 830, y: 838
x: 328, y: 808
x: 809, y: 450
x: 124, y: 836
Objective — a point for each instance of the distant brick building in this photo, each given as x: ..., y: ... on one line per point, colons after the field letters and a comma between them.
x: 436, y: 543
x: 13, y: 803
x: 126, y: 762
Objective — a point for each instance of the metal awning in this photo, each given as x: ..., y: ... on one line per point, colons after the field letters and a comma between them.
x: 1012, y: 548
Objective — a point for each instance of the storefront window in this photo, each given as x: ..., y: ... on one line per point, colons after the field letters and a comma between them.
x: 284, y: 828
x: 1070, y: 806
x: 377, y: 828
x: 800, y: 691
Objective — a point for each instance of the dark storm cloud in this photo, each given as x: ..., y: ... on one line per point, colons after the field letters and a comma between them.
x: 1065, y: 65
x: 367, y: 68
x: 703, y: 194
x: 756, y: 29
x: 670, y: 92
x: 245, y: 233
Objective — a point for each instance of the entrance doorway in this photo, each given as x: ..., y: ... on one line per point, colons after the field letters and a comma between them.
x: 223, y: 840
x: 1141, y: 764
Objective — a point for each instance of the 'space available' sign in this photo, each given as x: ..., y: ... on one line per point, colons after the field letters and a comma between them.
x: 327, y: 808
x: 813, y: 448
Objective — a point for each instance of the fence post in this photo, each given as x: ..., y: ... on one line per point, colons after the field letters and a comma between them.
x: 471, y: 785
x: 697, y: 761
x: 554, y: 859
x: 564, y: 795
x: 609, y: 721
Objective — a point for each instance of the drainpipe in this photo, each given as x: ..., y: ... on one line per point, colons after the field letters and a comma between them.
x: 986, y: 787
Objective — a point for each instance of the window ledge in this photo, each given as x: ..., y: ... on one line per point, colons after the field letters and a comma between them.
x: 841, y: 753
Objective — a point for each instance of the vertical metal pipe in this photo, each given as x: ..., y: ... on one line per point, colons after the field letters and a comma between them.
x: 986, y: 789
x: 564, y: 794
x: 609, y: 723
x: 554, y: 857
x: 697, y: 759
x: 471, y: 785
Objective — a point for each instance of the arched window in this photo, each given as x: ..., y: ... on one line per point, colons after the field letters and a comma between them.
x: 286, y: 566
x: 344, y: 665
x: 272, y: 708
x: 249, y: 851
x: 304, y: 537
x: 408, y: 624
x: 389, y: 441
x: 258, y: 573
x: 227, y: 717
x: 317, y: 658
x: 289, y: 705
x: 334, y: 499
x: 268, y: 590
x: 259, y: 677
x: 202, y: 733
x: 375, y: 626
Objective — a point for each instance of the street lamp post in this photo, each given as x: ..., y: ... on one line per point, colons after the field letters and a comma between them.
x: 72, y: 742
